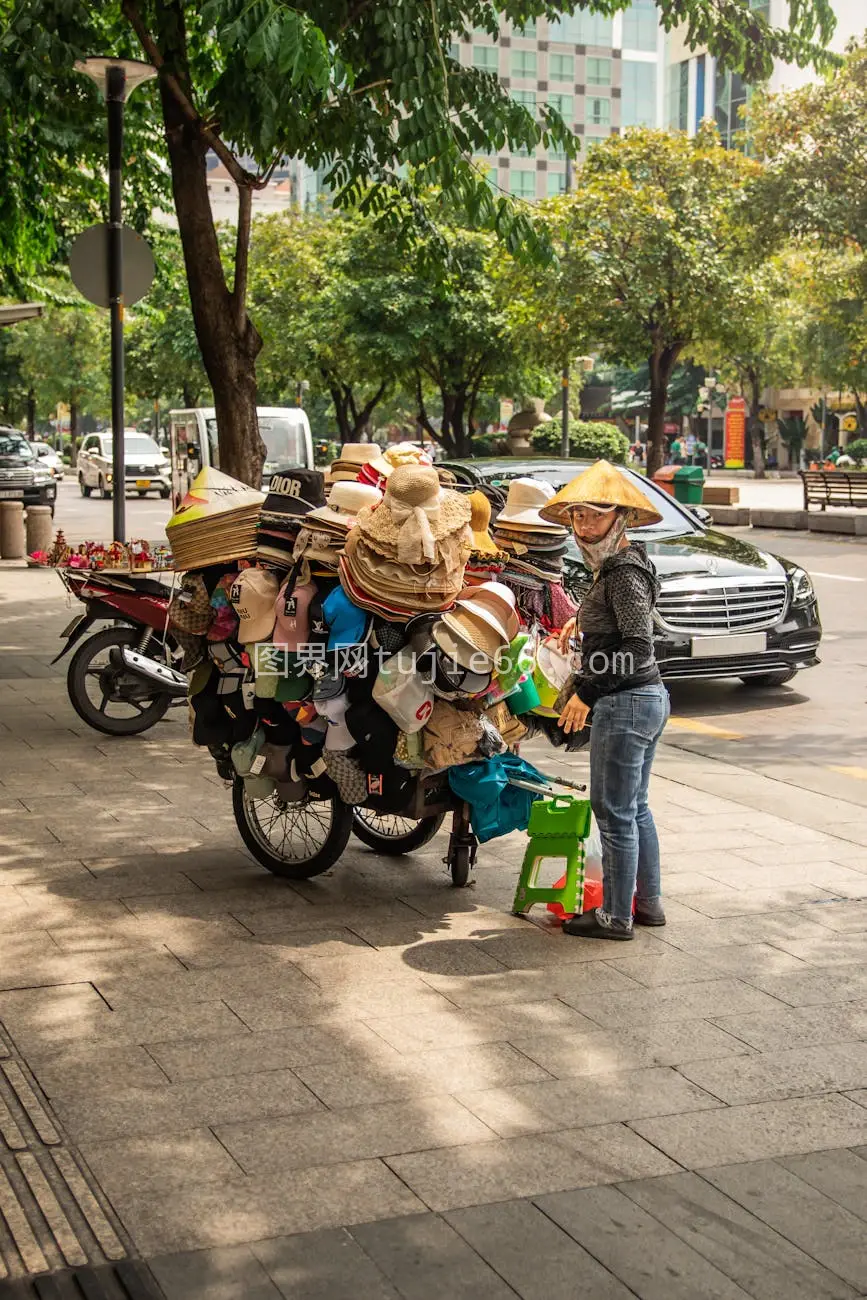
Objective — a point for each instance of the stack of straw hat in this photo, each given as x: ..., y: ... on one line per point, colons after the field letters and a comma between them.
x: 533, y: 543
x: 215, y: 523
x: 352, y: 459
x: 407, y: 555
x: 378, y: 470
x: 481, y: 626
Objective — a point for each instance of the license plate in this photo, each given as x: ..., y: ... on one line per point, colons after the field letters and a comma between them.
x: 739, y: 643
x: 10, y: 493
x: 142, y: 482
x: 70, y: 627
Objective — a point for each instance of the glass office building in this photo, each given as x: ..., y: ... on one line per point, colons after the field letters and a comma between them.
x: 601, y: 74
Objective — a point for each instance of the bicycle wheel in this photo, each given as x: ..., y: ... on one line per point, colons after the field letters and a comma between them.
x: 293, y: 840
x: 391, y: 834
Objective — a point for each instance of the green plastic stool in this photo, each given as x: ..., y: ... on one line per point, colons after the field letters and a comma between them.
x: 557, y: 828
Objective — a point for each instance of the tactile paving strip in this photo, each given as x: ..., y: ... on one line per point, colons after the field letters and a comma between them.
x: 53, y: 1215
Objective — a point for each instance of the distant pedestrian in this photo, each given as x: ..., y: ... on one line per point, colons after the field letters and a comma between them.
x: 676, y: 450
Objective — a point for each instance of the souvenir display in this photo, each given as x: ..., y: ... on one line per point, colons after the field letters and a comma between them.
x: 359, y: 647
x: 215, y: 523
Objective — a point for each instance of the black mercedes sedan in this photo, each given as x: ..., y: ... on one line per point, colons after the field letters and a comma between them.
x: 727, y: 609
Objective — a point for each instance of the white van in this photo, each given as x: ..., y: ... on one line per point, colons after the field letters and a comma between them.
x: 285, y: 431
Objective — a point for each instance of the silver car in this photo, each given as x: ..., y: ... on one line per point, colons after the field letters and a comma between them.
x: 147, y: 467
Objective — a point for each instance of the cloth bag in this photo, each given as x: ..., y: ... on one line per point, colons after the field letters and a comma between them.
x: 496, y: 807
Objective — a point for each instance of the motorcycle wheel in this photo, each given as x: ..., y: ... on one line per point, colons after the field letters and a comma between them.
x: 296, y: 840
x: 90, y: 667
x: 392, y: 835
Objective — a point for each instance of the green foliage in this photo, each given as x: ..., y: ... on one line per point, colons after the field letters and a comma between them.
x: 482, y: 445
x: 162, y: 353
x: 857, y: 449
x: 63, y: 355
x: 588, y: 440
x: 793, y: 432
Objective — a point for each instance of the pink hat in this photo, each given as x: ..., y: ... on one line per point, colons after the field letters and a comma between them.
x: 293, y: 620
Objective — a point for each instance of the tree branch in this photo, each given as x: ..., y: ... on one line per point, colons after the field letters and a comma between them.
x: 242, y: 256
x: 372, y: 403
x: 239, y: 175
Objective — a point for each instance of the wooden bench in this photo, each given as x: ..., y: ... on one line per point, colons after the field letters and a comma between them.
x: 715, y: 495
x: 834, y: 488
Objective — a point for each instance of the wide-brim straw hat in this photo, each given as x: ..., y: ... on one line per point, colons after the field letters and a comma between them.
x: 415, y: 505
x: 344, y: 503
x: 602, y: 485
x: 524, y: 505
x: 480, y: 524
x: 495, y: 604
x: 469, y: 641
x: 356, y: 454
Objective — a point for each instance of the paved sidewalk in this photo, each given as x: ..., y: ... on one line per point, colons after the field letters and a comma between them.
x: 372, y: 1085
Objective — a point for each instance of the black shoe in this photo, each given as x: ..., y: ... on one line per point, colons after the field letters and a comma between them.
x: 588, y: 926
x: 648, y: 912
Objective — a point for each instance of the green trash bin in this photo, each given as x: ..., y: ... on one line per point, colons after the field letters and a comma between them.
x: 688, y: 484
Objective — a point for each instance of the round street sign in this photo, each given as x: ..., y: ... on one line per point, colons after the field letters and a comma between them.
x: 88, y: 265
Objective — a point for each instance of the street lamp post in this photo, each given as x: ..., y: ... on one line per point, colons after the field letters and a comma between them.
x: 564, y: 427
x: 706, y: 393
x: 117, y: 79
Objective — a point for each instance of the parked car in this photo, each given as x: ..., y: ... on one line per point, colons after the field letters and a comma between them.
x: 147, y: 468
x: 22, y: 475
x: 726, y: 609
x: 49, y: 458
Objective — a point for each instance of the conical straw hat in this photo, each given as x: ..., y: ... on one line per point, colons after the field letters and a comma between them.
x: 602, y: 485
x: 213, y: 493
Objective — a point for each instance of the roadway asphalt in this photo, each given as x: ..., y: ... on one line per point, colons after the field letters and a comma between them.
x: 812, y: 733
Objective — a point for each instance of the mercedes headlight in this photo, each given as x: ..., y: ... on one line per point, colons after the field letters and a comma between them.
x: 802, y: 587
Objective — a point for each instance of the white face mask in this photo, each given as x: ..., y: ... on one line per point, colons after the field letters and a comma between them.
x: 596, y: 553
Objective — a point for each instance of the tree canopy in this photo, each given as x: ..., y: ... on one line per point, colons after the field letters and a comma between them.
x: 363, y: 90
x: 657, y: 244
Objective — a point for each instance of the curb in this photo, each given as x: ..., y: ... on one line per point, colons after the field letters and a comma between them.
x: 841, y: 523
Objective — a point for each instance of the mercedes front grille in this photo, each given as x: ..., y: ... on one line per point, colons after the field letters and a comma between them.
x: 717, y: 605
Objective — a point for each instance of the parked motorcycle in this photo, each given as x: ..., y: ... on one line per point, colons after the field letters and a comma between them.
x: 121, y: 680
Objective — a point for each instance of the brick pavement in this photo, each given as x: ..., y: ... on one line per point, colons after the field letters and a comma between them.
x: 371, y: 1084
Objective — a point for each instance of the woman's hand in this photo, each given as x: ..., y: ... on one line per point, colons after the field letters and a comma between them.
x: 565, y: 636
x: 574, y: 716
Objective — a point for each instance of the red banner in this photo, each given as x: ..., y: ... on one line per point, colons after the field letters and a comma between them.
x: 735, y: 432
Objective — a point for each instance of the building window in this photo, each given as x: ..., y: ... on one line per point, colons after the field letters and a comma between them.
x: 730, y: 95
x: 556, y: 182
x: 525, y: 97
x: 638, y: 96
x: 486, y: 58
x: 581, y: 29
x: 677, y: 108
x: 598, y: 71
x: 563, y: 104
x: 700, y: 81
x: 524, y: 63
x: 640, y: 26
x: 555, y: 154
x: 522, y: 184
x: 528, y: 30
x: 561, y: 67
x: 455, y: 52
x: 599, y: 112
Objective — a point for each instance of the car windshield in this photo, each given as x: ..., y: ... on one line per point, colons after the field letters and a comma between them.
x: 283, y: 438
x: 12, y: 444
x: 675, y: 521
x: 136, y: 444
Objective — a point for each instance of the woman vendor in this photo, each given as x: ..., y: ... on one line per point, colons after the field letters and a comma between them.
x: 619, y: 682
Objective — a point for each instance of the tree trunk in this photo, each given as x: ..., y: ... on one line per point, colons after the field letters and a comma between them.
x: 31, y: 414
x: 455, y: 424
x: 660, y: 363
x: 228, y: 341
x: 73, y: 433
x: 341, y: 411
x: 756, y: 426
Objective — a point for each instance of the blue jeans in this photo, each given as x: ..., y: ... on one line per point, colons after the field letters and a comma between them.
x: 623, y: 739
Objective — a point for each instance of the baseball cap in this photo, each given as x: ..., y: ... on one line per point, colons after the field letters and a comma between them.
x: 252, y: 595
x: 404, y: 692
x: 291, y: 608
x: 373, y: 731
x: 338, y: 736
x: 347, y: 624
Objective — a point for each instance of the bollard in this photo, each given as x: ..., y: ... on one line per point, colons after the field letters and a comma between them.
x: 39, y: 529
x: 12, y: 530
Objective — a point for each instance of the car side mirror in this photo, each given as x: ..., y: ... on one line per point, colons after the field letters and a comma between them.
x: 702, y: 515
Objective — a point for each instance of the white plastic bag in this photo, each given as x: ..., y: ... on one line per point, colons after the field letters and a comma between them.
x: 593, y: 854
